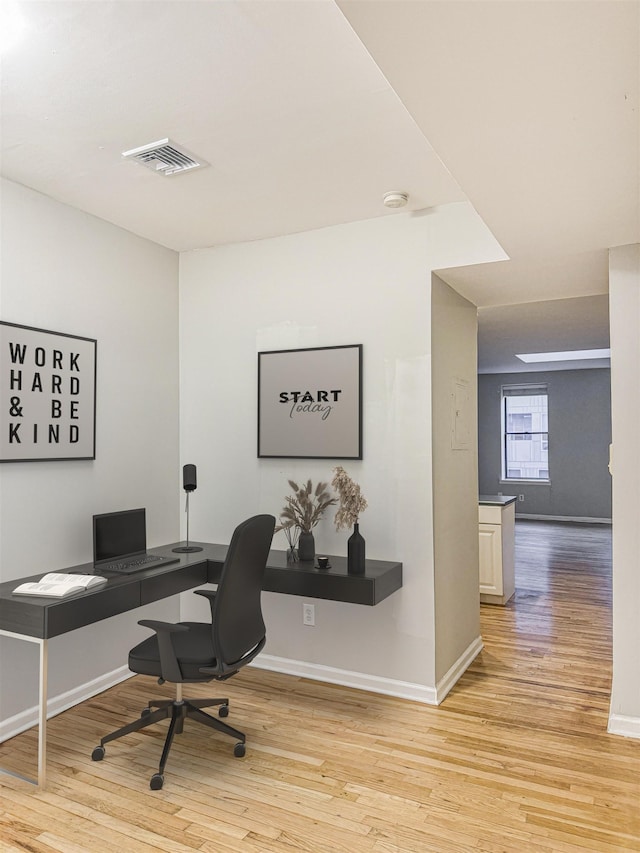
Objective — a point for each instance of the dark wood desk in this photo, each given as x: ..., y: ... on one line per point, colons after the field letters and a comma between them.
x: 49, y: 617
x: 37, y: 619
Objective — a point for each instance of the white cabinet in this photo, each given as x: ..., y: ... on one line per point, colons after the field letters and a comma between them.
x: 497, y: 552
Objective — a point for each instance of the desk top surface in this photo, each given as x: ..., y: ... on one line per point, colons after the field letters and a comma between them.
x: 41, y: 617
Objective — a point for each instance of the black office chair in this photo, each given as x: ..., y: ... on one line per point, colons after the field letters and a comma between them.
x: 189, y: 652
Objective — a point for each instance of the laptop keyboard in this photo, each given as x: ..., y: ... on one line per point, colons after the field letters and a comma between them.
x: 131, y: 565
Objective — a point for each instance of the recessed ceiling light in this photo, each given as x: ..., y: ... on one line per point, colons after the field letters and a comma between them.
x: 395, y: 199
x: 571, y: 355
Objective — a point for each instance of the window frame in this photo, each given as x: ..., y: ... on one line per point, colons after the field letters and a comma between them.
x: 534, y: 389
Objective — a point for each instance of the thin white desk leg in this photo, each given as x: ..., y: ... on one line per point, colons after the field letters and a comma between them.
x: 42, y: 708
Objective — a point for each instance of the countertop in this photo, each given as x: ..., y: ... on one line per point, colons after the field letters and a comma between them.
x: 497, y: 500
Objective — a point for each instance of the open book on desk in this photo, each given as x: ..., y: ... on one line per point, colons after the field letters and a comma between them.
x: 59, y: 585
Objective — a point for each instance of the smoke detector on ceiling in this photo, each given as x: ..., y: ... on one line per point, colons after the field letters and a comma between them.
x: 165, y: 158
x: 395, y: 199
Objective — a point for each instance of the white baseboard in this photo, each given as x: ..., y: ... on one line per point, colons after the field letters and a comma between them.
x: 583, y: 520
x: 456, y: 671
x: 347, y: 678
x: 57, y: 704
x: 373, y: 683
x: 317, y: 672
x: 626, y: 726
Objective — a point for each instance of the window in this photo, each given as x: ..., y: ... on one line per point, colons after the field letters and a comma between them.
x: 525, y: 432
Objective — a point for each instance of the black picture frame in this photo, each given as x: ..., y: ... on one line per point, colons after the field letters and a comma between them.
x: 47, y: 395
x: 310, y: 403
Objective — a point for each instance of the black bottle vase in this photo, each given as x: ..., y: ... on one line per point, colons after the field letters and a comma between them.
x: 355, y: 552
x: 306, y: 546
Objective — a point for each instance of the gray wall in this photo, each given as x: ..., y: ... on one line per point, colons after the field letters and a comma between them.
x: 579, y: 438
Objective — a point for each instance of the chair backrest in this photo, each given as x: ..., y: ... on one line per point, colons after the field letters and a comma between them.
x: 238, y: 626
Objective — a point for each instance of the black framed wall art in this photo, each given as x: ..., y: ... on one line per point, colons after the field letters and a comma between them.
x: 47, y: 395
x: 310, y: 403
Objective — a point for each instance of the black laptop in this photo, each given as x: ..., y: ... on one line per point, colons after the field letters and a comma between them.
x: 120, y: 543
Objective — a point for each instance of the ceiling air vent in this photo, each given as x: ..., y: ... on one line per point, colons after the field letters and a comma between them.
x: 165, y: 157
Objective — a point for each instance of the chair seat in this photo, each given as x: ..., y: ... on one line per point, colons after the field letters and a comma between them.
x: 194, y: 649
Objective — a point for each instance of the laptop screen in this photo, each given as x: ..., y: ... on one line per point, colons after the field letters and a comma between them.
x: 119, y: 534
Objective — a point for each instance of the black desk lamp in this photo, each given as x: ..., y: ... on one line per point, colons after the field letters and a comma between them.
x: 189, y: 485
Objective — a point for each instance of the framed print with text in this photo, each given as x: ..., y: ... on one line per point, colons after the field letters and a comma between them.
x: 310, y: 403
x: 47, y: 395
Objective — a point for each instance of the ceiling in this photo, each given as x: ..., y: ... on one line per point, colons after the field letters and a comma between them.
x: 298, y: 123
x: 505, y: 330
x: 308, y: 111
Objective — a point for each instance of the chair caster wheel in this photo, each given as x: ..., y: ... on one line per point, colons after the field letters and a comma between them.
x: 98, y: 753
x: 223, y: 711
x: 239, y: 750
x: 157, y: 781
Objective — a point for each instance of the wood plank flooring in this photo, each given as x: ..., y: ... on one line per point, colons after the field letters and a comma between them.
x: 517, y: 758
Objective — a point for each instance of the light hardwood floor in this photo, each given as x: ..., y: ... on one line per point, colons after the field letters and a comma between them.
x: 517, y: 758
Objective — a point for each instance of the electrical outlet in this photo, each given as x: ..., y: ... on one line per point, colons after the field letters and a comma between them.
x: 520, y: 497
x: 309, y: 614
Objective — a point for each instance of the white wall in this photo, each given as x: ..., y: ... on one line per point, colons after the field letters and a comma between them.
x: 363, y: 283
x: 368, y: 283
x: 454, y: 332
x: 624, y: 312
x: 69, y: 272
